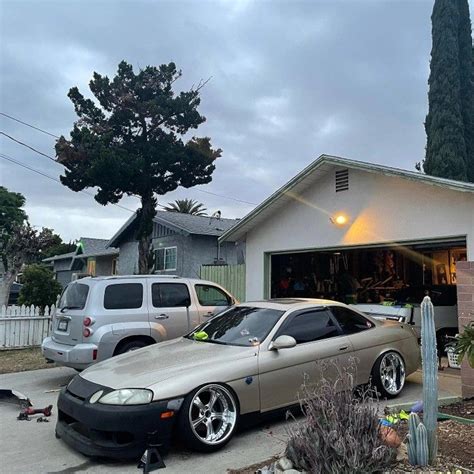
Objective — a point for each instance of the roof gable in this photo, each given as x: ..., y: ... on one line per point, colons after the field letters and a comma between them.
x: 320, y: 167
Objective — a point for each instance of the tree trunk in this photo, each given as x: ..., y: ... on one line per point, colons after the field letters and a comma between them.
x: 5, y: 286
x: 144, y: 232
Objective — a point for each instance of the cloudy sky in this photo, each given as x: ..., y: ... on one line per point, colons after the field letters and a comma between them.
x: 290, y: 80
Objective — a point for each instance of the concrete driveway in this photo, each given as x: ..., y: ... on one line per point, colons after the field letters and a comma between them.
x: 28, y: 446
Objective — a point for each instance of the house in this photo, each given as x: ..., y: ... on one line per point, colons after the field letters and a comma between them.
x: 351, y: 230
x: 91, y: 257
x: 181, y: 244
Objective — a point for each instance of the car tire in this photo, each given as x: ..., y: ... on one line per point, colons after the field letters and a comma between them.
x: 199, y: 427
x: 130, y: 346
x: 388, y: 374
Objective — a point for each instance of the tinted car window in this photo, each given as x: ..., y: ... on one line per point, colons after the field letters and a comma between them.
x: 169, y: 295
x: 310, y: 326
x: 211, y: 296
x: 350, y: 321
x: 123, y: 296
x: 74, y: 296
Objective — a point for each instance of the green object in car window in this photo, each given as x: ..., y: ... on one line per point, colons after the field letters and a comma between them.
x: 201, y: 336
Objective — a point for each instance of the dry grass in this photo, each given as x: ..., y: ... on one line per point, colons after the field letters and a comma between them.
x: 19, y: 360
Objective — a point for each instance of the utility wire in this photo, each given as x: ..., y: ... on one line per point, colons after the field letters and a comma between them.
x: 30, y: 147
x: 53, y: 159
x: 28, y: 125
x: 19, y: 163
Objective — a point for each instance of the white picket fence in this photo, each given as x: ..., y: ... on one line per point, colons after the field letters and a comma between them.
x: 23, y: 326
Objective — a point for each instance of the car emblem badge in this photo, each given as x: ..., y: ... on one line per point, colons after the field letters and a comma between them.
x: 249, y: 380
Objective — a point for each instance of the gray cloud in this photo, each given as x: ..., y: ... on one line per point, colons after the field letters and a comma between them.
x: 290, y: 80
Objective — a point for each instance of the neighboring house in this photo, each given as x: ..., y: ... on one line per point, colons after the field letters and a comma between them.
x: 181, y: 244
x: 91, y: 257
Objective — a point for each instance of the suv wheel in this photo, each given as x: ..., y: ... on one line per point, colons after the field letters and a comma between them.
x: 130, y: 346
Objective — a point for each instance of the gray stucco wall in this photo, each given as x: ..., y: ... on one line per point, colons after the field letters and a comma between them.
x: 127, y: 263
x: 103, y: 265
x: 64, y: 277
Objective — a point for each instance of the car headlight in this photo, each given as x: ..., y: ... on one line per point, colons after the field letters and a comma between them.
x: 125, y: 396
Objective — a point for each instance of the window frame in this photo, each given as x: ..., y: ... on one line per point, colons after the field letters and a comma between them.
x: 228, y: 297
x: 297, y: 313
x: 165, y: 249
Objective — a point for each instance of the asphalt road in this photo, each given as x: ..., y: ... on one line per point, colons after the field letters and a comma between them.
x: 31, y: 447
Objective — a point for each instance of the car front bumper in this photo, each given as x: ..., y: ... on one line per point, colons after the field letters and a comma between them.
x: 119, y: 432
x: 78, y: 357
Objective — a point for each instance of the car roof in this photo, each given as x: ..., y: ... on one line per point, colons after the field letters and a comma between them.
x: 91, y: 279
x: 285, y: 304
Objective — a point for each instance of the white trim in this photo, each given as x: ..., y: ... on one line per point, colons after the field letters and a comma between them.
x: 164, y: 259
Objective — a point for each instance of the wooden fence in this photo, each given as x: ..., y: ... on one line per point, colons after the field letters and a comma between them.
x: 23, y: 326
x: 231, y: 277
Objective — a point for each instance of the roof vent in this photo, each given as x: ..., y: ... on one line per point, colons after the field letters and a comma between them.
x: 342, y: 180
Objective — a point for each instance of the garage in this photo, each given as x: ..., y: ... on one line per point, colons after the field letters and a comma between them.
x: 370, y: 274
x: 366, y: 234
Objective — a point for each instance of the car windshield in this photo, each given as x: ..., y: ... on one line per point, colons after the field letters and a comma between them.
x: 74, y: 296
x: 239, y: 326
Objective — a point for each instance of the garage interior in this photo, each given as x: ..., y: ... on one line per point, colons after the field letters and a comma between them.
x: 398, y: 273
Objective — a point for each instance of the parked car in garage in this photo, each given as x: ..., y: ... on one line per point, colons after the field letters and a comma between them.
x: 99, y: 317
x: 248, y: 360
x: 406, y: 307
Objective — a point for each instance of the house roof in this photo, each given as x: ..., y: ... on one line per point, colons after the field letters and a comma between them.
x: 318, y: 168
x: 198, y: 225
x: 89, y: 246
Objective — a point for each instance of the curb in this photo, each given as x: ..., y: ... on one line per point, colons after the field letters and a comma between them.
x: 442, y: 401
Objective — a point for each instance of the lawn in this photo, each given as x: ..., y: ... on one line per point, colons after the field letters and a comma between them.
x: 19, y: 360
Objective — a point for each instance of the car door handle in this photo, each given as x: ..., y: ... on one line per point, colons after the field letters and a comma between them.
x: 161, y: 316
x: 209, y: 314
x: 343, y: 348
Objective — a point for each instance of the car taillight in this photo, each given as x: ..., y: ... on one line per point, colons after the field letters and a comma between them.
x: 87, y: 332
x: 87, y: 321
x: 94, y: 354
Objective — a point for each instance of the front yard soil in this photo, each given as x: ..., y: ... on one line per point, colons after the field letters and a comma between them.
x: 19, y: 360
x: 455, y: 443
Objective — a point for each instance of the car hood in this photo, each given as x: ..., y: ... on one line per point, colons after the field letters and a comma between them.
x: 158, y: 362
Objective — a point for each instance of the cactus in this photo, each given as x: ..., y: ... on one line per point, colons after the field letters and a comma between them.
x: 429, y: 358
x: 417, y: 442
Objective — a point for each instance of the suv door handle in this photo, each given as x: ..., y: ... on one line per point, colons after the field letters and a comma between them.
x: 161, y: 316
x: 209, y: 314
x: 343, y: 348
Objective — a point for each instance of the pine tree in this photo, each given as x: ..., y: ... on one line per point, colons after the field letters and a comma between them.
x: 449, y: 129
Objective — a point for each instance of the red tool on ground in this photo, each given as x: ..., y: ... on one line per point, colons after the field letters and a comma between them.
x: 26, y: 412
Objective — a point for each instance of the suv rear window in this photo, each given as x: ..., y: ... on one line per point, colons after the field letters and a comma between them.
x: 74, y: 296
x: 123, y: 296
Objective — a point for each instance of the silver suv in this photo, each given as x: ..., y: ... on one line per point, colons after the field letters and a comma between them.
x: 100, y: 317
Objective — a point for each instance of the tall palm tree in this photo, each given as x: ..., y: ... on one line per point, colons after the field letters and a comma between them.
x: 186, y: 206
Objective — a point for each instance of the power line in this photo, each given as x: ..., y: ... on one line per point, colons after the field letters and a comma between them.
x: 29, y: 125
x: 19, y: 163
x: 226, y: 197
x: 30, y: 147
x: 53, y: 159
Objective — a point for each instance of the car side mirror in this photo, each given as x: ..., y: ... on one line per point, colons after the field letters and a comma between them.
x: 283, y: 342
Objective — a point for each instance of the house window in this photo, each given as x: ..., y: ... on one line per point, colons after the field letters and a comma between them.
x: 114, y: 266
x: 165, y: 259
x: 91, y: 266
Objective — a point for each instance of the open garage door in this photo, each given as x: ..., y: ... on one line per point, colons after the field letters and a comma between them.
x: 371, y: 274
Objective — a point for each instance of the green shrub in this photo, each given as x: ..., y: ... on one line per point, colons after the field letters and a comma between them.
x: 39, y: 287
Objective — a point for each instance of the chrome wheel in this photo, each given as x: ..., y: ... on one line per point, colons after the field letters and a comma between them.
x: 392, y: 373
x: 213, y: 414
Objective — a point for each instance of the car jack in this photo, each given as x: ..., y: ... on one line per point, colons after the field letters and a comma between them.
x: 151, y: 459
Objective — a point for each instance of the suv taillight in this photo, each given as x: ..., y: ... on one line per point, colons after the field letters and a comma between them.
x: 87, y: 322
x: 87, y: 332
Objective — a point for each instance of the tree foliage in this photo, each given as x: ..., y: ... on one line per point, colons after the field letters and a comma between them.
x: 130, y: 141
x: 39, y: 286
x: 450, y: 121
x: 186, y: 206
